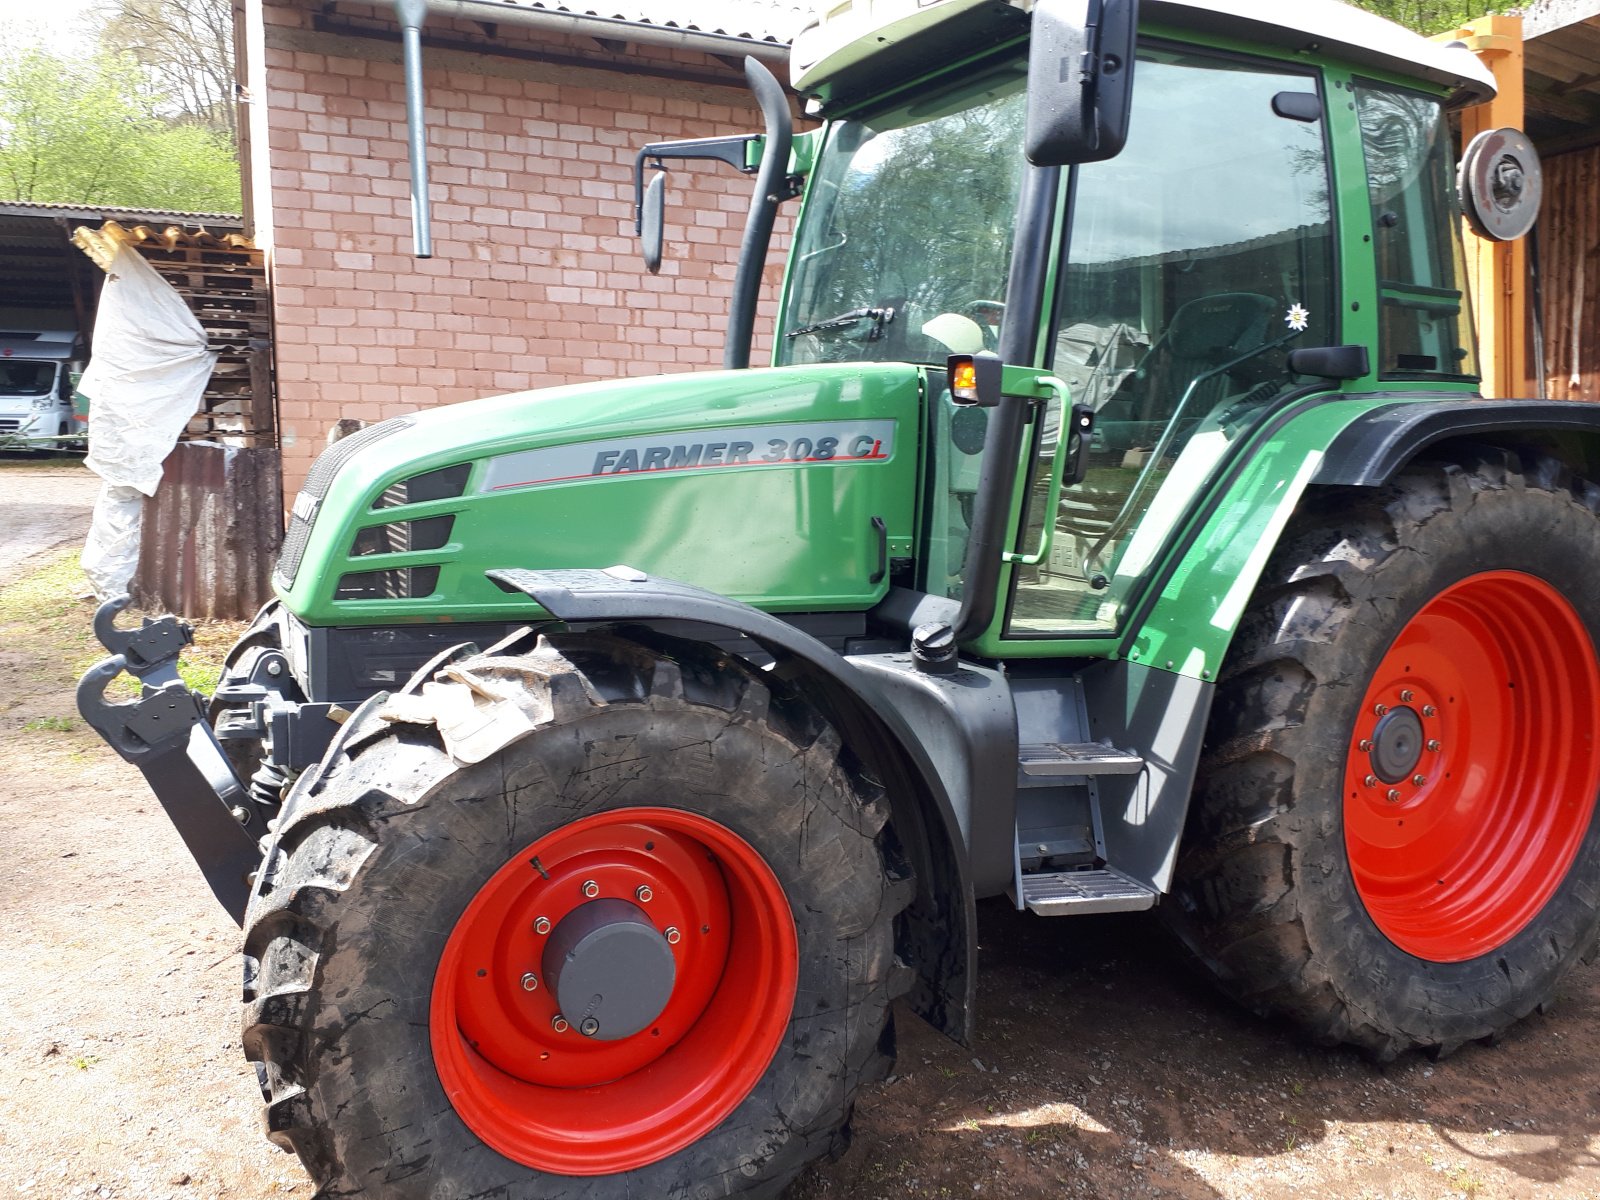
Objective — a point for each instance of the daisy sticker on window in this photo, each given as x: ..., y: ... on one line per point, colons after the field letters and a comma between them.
x: 1297, y: 318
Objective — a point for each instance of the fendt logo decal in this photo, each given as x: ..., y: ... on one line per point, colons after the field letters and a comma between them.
x: 812, y: 443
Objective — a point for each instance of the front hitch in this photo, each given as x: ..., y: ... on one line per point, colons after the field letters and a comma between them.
x: 164, y: 733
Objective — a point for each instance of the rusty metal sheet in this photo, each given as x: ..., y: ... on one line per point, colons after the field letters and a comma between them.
x: 211, y: 532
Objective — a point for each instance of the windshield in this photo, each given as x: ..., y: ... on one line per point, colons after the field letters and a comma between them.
x: 903, y: 248
x: 20, y: 377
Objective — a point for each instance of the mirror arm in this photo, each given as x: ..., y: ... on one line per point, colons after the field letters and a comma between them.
x: 730, y: 150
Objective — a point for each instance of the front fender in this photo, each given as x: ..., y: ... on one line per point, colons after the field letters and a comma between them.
x: 940, y: 940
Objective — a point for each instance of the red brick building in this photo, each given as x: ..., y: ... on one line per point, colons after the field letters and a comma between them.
x: 534, y: 115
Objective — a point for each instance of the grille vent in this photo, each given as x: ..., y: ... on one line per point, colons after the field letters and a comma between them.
x: 320, y: 479
x: 399, y: 583
x: 434, y: 485
x: 397, y: 537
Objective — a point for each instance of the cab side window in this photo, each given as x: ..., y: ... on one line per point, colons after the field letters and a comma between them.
x: 1424, y: 323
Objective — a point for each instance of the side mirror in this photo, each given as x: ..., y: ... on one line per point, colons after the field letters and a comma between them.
x: 1080, y: 80
x: 1330, y: 362
x: 652, y: 219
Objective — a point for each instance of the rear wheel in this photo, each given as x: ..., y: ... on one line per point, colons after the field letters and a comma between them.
x: 1394, y: 842
x: 643, y: 946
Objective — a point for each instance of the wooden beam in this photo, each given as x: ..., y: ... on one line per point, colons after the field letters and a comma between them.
x: 1572, y: 110
x: 1497, y: 271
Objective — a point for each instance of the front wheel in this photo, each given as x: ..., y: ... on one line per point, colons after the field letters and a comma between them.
x: 1394, y: 841
x: 643, y: 946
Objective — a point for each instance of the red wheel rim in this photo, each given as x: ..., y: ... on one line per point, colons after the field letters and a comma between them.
x: 1495, y: 683
x: 557, y: 1100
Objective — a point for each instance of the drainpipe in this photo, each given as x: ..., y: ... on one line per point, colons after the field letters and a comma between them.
x: 413, y: 13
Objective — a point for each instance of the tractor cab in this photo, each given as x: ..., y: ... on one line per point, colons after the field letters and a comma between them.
x: 1182, y: 288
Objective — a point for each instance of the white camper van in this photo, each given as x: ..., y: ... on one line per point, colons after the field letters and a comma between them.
x: 36, y: 369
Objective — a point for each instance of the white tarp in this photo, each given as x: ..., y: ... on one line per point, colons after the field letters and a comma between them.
x: 149, y: 370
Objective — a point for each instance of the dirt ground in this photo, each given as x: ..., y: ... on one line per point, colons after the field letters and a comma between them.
x: 44, y: 503
x: 1101, y: 1068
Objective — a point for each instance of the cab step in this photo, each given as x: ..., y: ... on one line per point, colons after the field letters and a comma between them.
x: 1056, y: 760
x: 1075, y: 893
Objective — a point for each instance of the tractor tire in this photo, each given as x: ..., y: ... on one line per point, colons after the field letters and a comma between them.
x: 644, y: 948
x: 1392, y: 842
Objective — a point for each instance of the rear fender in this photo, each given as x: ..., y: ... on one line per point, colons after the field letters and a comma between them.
x: 938, y: 938
x: 1186, y: 621
x: 1373, y: 448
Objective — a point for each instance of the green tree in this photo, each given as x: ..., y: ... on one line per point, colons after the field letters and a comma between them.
x: 93, y: 131
x: 1428, y: 16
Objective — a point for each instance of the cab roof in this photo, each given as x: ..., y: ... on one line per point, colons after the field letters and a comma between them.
x: 1339, y: 30
x: 851, y: 50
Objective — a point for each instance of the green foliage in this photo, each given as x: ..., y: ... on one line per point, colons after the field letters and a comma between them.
x: 49, y: 725
x: 89, y: 131
x: 1428, y: 16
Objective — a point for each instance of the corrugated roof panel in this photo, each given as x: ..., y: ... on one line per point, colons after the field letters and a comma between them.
x: 757, y: 20
x: 101, y: 212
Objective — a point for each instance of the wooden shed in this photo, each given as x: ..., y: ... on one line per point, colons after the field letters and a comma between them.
x: 1562, y: 72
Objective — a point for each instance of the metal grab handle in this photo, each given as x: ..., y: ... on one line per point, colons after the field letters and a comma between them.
x: 1047, y: 531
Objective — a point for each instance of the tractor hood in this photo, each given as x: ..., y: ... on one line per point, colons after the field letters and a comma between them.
x: 788, y: 488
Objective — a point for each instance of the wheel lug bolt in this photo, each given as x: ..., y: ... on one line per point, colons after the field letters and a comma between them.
x: 643, y: 895
x: 1366, y: 745
x: 530, y: 982
x: 1407, y: 696
x: 673, y: 936
x: 559, y: 1023
x: 541, y: 925
x: 1434, y: 744
x: 1379, y: 709
x: 1419, y: 780
x: 590, y: 1027
x: 1394, y: 795
x: 1429, y: 710
x: 1370, y: 781
x: 591, y: 889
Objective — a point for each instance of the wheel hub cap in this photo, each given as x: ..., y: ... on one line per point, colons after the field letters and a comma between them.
x: 1396, y: 745
x: 610, y: 970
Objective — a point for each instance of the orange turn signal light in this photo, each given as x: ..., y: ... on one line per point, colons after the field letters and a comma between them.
x: 974, y: 378
x: 963, y: 379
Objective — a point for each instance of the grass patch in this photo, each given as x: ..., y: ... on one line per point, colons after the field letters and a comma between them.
x: 49, y: 594
x: 50, y: 725
x: 42, y: 614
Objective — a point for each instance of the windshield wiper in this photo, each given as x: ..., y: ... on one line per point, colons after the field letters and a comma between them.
x: 878, y: 316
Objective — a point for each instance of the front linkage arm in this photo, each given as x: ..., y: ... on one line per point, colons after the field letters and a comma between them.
x: 164, y: 733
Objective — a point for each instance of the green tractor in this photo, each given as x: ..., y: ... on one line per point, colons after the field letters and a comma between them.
x: 1117, y: 527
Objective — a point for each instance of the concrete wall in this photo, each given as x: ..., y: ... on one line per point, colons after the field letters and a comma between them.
x: 536, y: 278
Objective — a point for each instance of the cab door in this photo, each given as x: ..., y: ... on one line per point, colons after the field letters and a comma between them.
x: 1194, y: 263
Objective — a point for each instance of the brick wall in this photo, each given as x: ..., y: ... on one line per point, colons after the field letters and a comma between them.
x: 537, y: 277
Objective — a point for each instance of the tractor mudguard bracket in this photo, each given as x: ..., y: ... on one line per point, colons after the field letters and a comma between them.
x: 164, y: 733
